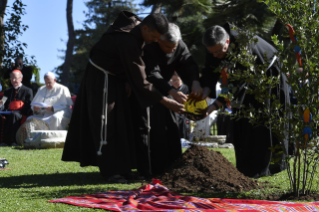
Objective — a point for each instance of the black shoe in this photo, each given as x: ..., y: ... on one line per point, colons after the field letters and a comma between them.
x: 116, y: 179
x: 146, y: 175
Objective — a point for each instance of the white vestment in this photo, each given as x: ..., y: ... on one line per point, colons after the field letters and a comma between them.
x: 59, y: 98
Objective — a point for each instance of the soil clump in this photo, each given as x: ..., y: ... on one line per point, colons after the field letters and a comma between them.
x: 203, y: 170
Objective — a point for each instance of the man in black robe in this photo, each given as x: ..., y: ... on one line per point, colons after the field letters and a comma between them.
x: 252, y: 144
x: 18, y: 102
x: 162, y: 59
x: 119, y: 52
x: 25, y: 70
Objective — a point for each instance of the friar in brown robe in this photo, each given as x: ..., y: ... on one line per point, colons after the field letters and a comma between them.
x: 119, y: 52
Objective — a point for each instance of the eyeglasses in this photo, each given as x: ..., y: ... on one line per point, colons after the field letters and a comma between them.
x: 15, y: 78
x: 176, y: 80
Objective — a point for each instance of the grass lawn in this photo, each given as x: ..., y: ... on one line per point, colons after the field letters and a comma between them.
x: 37, y: 176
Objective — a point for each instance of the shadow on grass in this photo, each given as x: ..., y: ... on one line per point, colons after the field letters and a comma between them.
x: 58, y: 179
x: 66, y: 192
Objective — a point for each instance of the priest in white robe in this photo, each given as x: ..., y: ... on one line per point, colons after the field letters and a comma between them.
x: 52, y: 103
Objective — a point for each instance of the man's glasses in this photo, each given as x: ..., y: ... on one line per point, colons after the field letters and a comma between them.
x: 15, y: 78
x: 177, y: 80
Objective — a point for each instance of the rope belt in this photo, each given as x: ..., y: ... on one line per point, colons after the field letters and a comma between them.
x: 104, y: 107
x: 272, y: 62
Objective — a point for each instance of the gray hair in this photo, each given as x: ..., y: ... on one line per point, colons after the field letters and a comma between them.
x: 214, y: 36
x: 49, y: 74
x: 173, y: 35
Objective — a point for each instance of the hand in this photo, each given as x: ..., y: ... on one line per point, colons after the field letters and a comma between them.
x: 172, y: 105
x: 128, y: 89
x: 206, y: 92
x: 49, y: 108
x: 178, y: 95
x: 196, y: 88
x: 1, y: 102
x: 36, y: 109
x: 207, y: 110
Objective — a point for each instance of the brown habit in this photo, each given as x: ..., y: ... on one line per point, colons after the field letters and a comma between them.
x: 119, y: 51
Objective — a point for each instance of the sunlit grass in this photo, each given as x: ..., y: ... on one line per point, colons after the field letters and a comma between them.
x: 37, y: 176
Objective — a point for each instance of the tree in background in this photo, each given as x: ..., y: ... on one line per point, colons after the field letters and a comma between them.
x: 194, y: 16
x: 189, y: 16
x: 100, y: 15
x: 251, y: 15
x: 10, y: 30
x: 3, y: 6
x: 70, y: 45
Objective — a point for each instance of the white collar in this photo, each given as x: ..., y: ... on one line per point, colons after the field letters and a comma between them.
x: 18, y: 86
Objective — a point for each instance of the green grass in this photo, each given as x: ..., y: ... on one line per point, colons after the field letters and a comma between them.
x: 37, y: 176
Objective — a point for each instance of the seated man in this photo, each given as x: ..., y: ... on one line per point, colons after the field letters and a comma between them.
x: 25, y: 70
x: 52, y: 103
x: 16, y: 99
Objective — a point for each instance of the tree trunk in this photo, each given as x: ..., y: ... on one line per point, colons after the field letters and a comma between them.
x: 3, y: 6
x: 157, y: 8
x: 70, y: 45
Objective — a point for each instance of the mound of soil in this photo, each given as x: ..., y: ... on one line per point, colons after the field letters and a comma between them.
x: 203, y: 170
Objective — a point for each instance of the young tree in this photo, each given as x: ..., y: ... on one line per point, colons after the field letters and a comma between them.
x: 299, y: 62
x: 302, y: 17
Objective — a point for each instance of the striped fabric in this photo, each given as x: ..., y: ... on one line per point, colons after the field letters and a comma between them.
x: 155, y: 197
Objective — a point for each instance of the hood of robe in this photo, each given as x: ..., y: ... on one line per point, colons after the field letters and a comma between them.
x: 125, y: 22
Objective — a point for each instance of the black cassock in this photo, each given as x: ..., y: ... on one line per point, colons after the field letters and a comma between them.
x: 119, y: 52
x: 251, y: 143
x: 165, y: 137
x: 181, y: 117
x: 12, y: 121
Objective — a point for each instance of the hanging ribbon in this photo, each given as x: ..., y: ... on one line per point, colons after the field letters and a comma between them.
x: 293, y: 38
x: 307, y: 132
x: 224, y: 84
x: 307, y: 116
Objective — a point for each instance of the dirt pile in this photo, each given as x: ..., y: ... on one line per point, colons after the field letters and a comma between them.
x: 203, y: 170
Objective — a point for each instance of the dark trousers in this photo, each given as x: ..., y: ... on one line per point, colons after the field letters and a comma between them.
x: 9, y: 127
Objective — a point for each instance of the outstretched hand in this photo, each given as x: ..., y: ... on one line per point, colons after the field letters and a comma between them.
x: 178, y: 96
x: 173, y: 105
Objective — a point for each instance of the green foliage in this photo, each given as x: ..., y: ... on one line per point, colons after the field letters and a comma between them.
x: 303, y: 18
x: 189, y: 15
x: 249, y: 14
x: 194, y: 16
x: 258, y: 82
x: 100, y: 15
x: 12, y: 29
